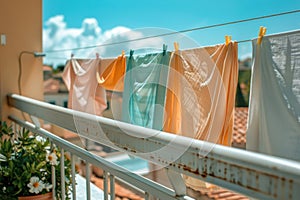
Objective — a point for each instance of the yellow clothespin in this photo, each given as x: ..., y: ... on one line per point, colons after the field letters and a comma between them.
x: 176, y: 46
x: 261, y: 34
x: 97, y: 73
x: 123, y: 53
x: 227, y: 39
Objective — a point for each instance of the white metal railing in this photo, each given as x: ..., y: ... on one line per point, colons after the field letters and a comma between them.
x: 110, y: 169
x: 253, y: 174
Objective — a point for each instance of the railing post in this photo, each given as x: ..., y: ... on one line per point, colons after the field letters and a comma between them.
x: 105, y: 185
x: 177, y: 182
x: 112, y: 186
x: 88, y: 180
x: 73, y: 176
x: 62, y: 174
x: 147, y: 196
x: 53, y: 178
x: 53, y: 182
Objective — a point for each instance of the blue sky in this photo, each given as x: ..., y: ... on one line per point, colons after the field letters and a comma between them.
x: 178, y: 15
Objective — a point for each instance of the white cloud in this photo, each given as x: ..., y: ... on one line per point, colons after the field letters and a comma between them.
x: 57, y: 36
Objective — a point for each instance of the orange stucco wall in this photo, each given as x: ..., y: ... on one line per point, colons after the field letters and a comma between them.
x: 21, y: 22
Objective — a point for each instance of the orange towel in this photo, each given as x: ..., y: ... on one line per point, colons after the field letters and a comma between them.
x: 201, y: 89
x: 201, y: 96
x: 113, y: 76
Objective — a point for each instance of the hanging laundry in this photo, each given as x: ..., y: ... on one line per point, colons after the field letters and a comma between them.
x: 274, y: 107
x: 113, y: 76
x: 145, y: 82
x: 112, y: 79
x: 201, y: 93
x: 84, y: 93
x: 201, y: 96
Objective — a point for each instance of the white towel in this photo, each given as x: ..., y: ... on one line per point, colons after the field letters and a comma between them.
x: 274, y: 107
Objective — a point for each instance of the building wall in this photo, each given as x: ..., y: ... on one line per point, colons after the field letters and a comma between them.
x: 59, y: 99
x: 21, y: 22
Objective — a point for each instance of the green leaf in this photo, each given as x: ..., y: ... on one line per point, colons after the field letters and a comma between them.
x: 23, y: 156
x: 41, y: 164
x: 3, y: 158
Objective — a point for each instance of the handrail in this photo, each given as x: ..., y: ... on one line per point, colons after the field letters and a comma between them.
x: 253, y: 174
x: 132, y: 178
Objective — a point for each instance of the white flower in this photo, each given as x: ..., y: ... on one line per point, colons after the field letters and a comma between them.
x: 35, y: 185
x: 48, y: 187
x: 67, y: 180
x: 40, y: 139
x: 52, y: 158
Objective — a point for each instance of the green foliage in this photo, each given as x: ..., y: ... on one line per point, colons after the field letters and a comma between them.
x: 242, y: 94
x: 23, y: 156
x: 240, y: 99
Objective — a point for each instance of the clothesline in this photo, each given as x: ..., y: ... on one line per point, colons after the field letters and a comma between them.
x: 178, y: 32
x: 240, y: 41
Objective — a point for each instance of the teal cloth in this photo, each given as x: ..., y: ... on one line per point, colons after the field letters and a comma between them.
x: 145, y: 90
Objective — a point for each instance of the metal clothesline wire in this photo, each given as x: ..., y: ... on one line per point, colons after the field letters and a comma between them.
x: 67, y: 57
x: 178, y: 32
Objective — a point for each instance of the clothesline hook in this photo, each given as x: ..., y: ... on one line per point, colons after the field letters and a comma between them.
x: 164, y: 49
x: 131, y: 52
x: 261, y: 34
x: 227, y: 39
x: 176, y: 46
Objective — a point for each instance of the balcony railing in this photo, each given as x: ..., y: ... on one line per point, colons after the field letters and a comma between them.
x: 252, y: 174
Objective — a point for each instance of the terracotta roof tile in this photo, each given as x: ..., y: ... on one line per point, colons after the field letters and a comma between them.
x: 240, y: 127
x: 219, y: 194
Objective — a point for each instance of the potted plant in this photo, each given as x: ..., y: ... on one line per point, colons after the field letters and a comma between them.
x: 26, y: 162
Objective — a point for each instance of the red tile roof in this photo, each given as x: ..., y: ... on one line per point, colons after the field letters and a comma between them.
x: 240, y: 127
x: 223, y: 194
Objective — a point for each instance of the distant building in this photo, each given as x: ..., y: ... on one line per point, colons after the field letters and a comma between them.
x: 55, y: 91
x: 245, y: 64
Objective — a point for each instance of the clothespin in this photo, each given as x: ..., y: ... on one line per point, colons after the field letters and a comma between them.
x: 261, y: 34
x: 123, y: 53
x: 97, y: 74
x: 99, y: 80
x: 164, y: 49
x: 131, y: 53
x: 176, y: 46
x: 227, y: 39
